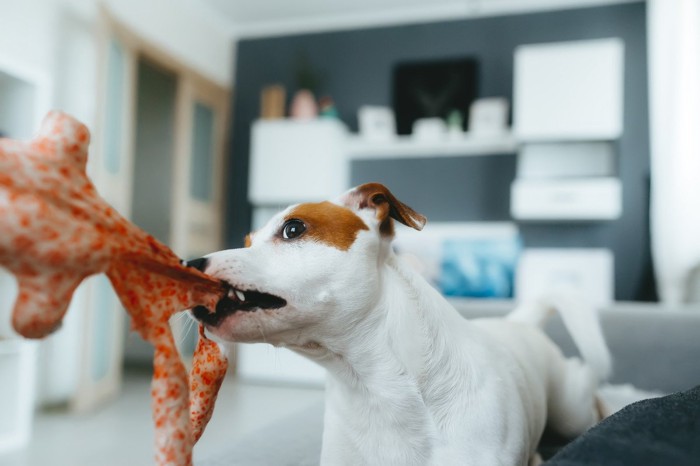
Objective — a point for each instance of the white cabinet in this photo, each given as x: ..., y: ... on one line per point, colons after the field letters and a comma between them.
x: 569, y: 91
x: 568, y: 108
x: 297, y: 161
x: 291, y: 161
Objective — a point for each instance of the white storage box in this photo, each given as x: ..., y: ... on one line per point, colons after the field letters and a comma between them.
x: 17, y: 392
x: 568, y: 199
x: 297, y: 161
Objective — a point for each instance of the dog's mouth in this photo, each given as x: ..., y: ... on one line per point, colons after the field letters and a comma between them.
x: 237, y: 300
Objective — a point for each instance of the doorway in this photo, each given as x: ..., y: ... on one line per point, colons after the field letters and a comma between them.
x: 153, y: 163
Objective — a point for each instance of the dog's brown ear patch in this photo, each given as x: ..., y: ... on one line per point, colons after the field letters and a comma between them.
x: 329, y: 223
x: 387, y: 207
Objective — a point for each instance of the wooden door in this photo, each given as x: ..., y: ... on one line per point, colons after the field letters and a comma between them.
x: 199, y: 174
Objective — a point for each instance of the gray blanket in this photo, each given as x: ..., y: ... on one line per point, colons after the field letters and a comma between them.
x: 661, y: 431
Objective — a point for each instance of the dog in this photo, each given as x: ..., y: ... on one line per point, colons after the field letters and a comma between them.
x: 410, y: 381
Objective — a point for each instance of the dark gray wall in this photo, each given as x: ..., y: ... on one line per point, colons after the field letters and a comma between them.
x: 356, y: 67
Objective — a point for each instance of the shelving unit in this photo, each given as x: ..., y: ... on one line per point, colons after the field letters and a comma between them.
x: 566, y: 168
x: 358, y: 148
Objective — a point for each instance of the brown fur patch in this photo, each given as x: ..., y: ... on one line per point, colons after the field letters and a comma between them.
x: 248, y: 240
x: 329, y: 223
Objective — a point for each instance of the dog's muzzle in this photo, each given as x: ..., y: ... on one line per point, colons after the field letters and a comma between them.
x: 237, y: 301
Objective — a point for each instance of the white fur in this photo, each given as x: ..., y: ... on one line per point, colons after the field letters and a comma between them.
x: 410, y: 381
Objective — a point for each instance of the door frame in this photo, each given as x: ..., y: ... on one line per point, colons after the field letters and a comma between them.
x: 117, y: 188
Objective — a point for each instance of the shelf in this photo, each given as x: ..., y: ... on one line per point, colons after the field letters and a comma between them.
x: 408, y: 147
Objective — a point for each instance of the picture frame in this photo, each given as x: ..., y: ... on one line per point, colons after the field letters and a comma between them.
x: 433, y: 89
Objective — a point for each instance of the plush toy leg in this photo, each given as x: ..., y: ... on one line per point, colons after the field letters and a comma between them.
x: 171, y: 405
x: 208, y: 371
x: 42, y: 303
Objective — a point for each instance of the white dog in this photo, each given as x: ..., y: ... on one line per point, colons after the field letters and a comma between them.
x: 410, y: 381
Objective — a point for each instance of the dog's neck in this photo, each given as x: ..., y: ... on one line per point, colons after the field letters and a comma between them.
x: 378, y: 368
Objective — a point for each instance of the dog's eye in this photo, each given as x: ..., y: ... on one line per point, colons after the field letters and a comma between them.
x: 293, y: 229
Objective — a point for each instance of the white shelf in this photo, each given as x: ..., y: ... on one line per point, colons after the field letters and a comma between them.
x: 408, y: 147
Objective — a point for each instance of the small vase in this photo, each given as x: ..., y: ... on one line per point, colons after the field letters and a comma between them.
x: 304, y: 106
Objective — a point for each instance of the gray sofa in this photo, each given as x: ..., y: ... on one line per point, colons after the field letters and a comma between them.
x: 653, y: 348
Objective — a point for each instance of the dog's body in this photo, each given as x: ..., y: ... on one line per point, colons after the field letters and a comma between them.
x: 410, y: 381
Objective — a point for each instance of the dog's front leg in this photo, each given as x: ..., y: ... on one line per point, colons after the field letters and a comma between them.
x: 365, y: 427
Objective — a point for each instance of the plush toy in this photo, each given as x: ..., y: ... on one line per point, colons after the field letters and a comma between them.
x: 55, y: 230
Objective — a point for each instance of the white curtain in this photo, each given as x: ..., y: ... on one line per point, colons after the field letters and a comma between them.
x: 674, y: 82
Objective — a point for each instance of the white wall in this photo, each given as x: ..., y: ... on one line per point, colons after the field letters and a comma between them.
x: 26, y: 49
x: 34, y: 35
x: 182, y: 29
x: 25, y: 31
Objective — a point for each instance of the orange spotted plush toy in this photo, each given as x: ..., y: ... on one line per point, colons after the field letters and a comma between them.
x: 55, y: 230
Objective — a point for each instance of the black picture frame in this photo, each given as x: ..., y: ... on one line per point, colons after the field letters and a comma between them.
x: 428, y: 89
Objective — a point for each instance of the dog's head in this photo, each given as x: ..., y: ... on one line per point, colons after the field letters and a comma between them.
x: 313, y: 269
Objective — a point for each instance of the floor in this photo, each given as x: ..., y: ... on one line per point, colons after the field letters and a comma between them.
x: 121, y: 433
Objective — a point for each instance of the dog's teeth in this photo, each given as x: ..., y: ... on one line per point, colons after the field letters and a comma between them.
x: 230, y: 294
x: 240, y: 295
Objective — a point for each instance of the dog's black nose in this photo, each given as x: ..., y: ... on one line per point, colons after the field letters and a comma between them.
x: 199, y: 264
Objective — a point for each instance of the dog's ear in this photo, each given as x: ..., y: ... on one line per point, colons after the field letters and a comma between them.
x: 376, y: 196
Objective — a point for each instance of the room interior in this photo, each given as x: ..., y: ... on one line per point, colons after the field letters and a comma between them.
x: 565, y: 156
